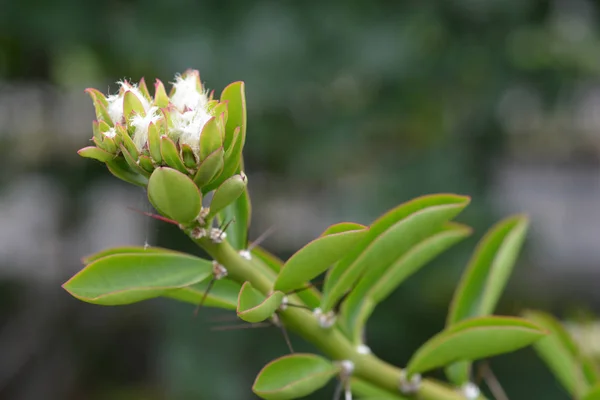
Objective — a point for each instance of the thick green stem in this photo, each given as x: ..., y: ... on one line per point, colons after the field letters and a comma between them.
x: 331, y: 341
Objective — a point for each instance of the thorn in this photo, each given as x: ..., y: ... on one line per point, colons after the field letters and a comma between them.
x: 241, y: 326
x: 338, y: 390
x: 491, y: 381
x: 224, y: 228
x: 208, y: 288
x: 155, y: 216
x: 261, y: 238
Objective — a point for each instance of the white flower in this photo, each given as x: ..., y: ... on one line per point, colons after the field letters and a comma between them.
x: 115, y: 101
x: 191, y: 112
x: 141, y: 124
x: 111, y: 133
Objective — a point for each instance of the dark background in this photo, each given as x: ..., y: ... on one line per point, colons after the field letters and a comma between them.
x: 354, y: 107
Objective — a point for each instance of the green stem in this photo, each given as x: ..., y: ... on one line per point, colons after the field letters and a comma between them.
x: 331, y: 341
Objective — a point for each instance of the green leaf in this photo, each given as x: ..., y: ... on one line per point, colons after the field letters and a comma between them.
x: 235, y: 96
x: 161, y: 99
x: 170, y: 155
x: 376, y: 284
x: 310, y: 296
x: 154, y: 142
x: 128, y: 278
x: 174, y: 195
x: 343, y: 227
x: 232, y: 161
x: 252, y: 305
x: 314, y: 258
x: 123, y: 250
x: 95, y: 153
x: 188, y: 157
x: 210, y: 168
x: 239, y: 212
x: 119, y: 168
x: 473, y: 339
x: 379, y: 246
x: 223, y: 294
x: 210, y: 138
x: 132, y: 104
x: 574, y: 370
x: 484, y: 279
x: 132, y: 162
x: 293, y: 376
x: 487, y: 273
x: 227, y: 193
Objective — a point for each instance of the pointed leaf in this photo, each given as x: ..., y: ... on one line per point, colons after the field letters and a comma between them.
x: 417, y: 219
x: 231, y: 163
x: 95, y: 153
x: 100, y: 105
x: 293, y: 376
x: 161, y: 99
x: 222, y: 294
x: 119, y: 168
x: 210, y: 138
x: 154, y: 142
x: 174, y: 195
x: 314, y: 258
x: 129, y: 278
x: 188, y: 157
x: 252, y: 305
x: 488, y: 271
x: 473, y: 339
x: 170, y: 154
x: 146, y: 164
x: 123, y: 250
x: 375, y: 285
x: 227, y: 193
x: 132, y: 162
x: 343, y: 227
x: 573, y: 369
x: 132, y: 104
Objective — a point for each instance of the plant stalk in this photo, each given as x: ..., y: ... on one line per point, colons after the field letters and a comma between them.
x: 330, y: 341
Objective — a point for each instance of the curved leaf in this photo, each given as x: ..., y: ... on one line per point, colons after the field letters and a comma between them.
x: 119, y: 168
x: 174, y: 195
x: 314, y: 258
x: 128, y: 278
x: 293, y: 376
x: 376, y: 285
x: 95, y: 153
x: 123, y: 250
x: 227, y: 193
x: 488, y: 270
x: 222, y: 294
x: 473, y: 339
x: 252, y: 306
x: 239, y: 212
x: 558, y: 350
x: 235, y: 96
x: 416, y: 219
x: 343, y: 227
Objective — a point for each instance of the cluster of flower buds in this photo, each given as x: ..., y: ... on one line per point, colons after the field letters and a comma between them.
x: 176, y: 140
x: 187, y: 130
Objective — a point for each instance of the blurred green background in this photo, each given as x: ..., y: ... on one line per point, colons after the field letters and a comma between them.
x: 354, y: 107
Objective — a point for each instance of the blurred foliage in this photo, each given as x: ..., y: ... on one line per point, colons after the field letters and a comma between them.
x: 377, y: 101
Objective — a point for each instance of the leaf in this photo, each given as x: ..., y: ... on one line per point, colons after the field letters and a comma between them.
x: 210, y: 168
x: 238, y: 213
x: 119, y: 168
x: 473, y: 339
x: 376, y: 285
x: 488, y: 270
x: 170, y: 155
x: 95, y: 153
x: 252, y: 306
x: 293, y: 376
x: 128, y: 278
x: 235, y: 96
x: 132, y: 162
x: 123, y: 250
x: 232, y: 161
x: 227, y: 193
x: 222, y: 294
x: 378, y: 246
x: 343, y: 227
x: 310, y: 296
x: 210, y: 138
x: 174, y: 195
x: 485, y: 278
x: 314, y: 258
x: 154, y: 142
x: 575, y: 371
